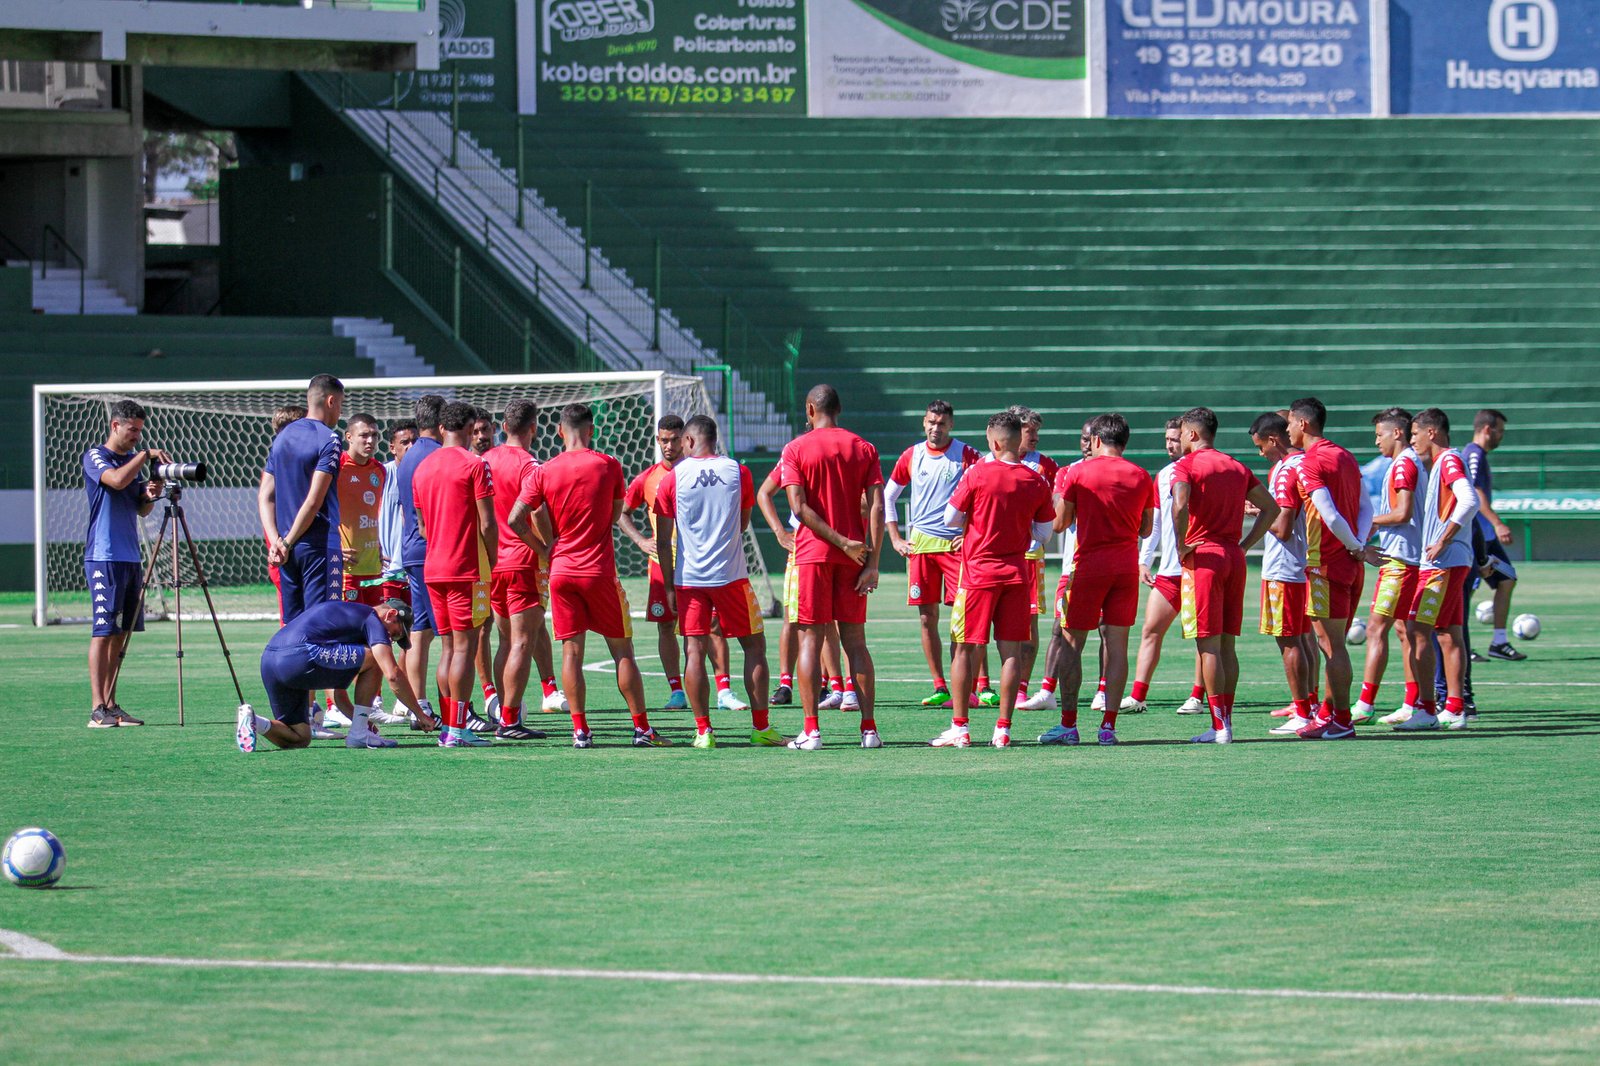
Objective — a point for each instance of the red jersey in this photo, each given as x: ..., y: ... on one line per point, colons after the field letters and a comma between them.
x: 1001, y: 501
x: 1111, y: 495
x: 360, y: 488
x: 509, y: 470
x: 835, y: 467
x: 1218, y: 485
x: 581, y: 489
x: 1326, y: 465
x: 446, y: 488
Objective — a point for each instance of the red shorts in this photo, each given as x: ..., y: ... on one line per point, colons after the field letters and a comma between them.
x: 451, y: 602
x: 396, y: 590
x: 1003, y: 607
x: 513, y: 591
x: 1063, y: 597
x: 1100, y: 597
x: 1439, y: 602
x: 734, y: 605
x: 1171, y: 589
x: 655, y: 602
x: 596, y: 602
x: 827, y: 593
x: 354, y: 592
x: 932, y: 577
x: 1212, y: 595
x: 1283, y: 609
x: 1330, y: 596
x: 1396, y: 590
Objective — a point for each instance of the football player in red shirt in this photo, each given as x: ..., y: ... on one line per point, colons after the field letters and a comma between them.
x: 580, y: 491
x: 1209, y: 490
x: 826, y: 472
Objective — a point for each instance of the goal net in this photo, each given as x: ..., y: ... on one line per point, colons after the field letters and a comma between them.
x: 228, y: 426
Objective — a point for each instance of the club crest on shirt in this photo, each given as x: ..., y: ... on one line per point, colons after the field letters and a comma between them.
x: 916, y: 592
x: 373, y: 477
x: 657, y: 610
x: 369, y: 498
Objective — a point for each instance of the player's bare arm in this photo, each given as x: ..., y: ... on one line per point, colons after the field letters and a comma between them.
x: 868, y: 579
x: 855, y: 549
x: 1268, y: 508
x: 663, y: 550
x: 1283, y: 525
x: 488, y: 529
x: 1066, y: 514
x: 624, y: 521
x: 521, y: 523
x: 267, y: 511
x: 321, y: 482
x: 769, y: 511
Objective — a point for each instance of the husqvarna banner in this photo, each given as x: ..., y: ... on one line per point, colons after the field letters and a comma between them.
x: 671, y: 56
x: 1487, y: 57
x: 1207, y: 58
x: 927, y: 58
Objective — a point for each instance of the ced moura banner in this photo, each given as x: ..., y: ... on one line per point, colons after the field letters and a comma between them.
x: 1212, y: 58
x: 926, y: 58
x: 675, y: 56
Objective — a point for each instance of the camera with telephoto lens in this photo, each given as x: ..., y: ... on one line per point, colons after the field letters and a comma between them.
x: 195, y: 472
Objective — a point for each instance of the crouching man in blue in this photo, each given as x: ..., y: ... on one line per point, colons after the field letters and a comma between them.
x: 330, y: 645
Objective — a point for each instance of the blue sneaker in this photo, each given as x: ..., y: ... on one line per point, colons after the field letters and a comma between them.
x: 1108, y: 737
x: 1060, y: 734
x: 466, y: 738
x: 678, y: 701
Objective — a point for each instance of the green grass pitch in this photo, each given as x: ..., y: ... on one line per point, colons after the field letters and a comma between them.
x: 1448, y: 863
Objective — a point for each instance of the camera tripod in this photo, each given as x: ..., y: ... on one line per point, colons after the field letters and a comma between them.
x: 174, y: 523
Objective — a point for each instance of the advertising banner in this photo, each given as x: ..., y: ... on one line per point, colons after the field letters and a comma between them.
x: 671, y: 56
x: 478, y: 40
x: 927, y: 59
x: 1213, y: 58
x: 1489, y: 57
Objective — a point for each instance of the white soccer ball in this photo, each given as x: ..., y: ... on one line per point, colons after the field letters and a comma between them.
x: 1484, y: 611
x: 1357, y: 633
x: 33, y: 858
x: 1526, y: 627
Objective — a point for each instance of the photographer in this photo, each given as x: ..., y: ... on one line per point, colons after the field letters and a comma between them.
x: 118, y: 497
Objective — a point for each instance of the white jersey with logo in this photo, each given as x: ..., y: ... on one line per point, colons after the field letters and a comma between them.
x: 1163, y: 539
x: 1285, y: 560
x: 391, y: 520
x: 1403, y: 542
x: 708, y: 496
x: 932, y: 478
x: 1437, y: 501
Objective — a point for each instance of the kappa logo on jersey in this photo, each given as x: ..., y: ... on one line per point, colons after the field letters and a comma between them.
x: 706, y: 479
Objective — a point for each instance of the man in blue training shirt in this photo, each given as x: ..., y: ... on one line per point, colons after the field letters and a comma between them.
x: 1488, y: 430
x: 299, y: 514
x: 118, y: 498
x: 429, y: 411
x: 329, y: 645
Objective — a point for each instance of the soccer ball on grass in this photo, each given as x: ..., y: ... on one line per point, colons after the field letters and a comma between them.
x: 1357, y: 633
x: 1484, y: 611
x: 1526, y: 627
x: 33, y: 858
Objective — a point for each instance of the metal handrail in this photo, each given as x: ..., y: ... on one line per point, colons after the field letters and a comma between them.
x: 15, y: 247
x: 44, y: 259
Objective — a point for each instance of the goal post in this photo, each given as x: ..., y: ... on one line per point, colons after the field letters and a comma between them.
x: 228, y: 426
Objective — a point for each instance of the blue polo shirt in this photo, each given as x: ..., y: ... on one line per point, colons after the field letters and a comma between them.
x: 301, y: 450
x: 113, y: 535
x: 413, y: 548
x: 1477, y: 461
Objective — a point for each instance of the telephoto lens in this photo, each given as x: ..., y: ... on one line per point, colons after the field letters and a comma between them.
x: 181, y: 472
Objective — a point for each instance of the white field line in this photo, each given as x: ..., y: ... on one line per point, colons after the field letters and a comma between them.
x: 27, y: 948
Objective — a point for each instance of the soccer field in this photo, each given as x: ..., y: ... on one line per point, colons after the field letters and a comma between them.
x: 1416, y: 898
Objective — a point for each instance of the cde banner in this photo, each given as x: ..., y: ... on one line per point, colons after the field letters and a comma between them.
x: 1487, y: 57
x: 1216, y: 58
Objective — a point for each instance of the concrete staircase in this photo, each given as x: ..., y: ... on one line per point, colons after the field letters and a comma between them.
x: 56, y: 292
x: 375, y: 339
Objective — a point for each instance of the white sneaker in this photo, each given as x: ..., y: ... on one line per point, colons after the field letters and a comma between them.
x: 491, y: 708
x: 1213, y: 736
x: 555, y: 703
x: 1099, y: 701
x: 1419, y: 720
x: 1194, y: 706
x: 870, y: 739
x: 1452, y: 720
x: 335, y: 717
x: 957, y: 736
x: 1132, y: 706
x: 244, y: 729
x: 850, y: 702
x: 1040, y: 701
x: 1291, y: 725
x: 369, y: 739
x: 729, y: 702
x: 401, y: 715
x: 831, y: 702
x: 323, y: 733
x: 811, y: 741
x: 1398, y: 715
x: 1001, y: 738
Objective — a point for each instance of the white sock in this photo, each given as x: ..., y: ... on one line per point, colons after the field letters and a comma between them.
x: 262, y: 724
x: 1499, y: 636
x: 1362, y: 707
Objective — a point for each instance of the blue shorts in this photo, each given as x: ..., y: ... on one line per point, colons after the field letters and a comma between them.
x: 1503, y: 570
x: 311, y: 574
x: 114, y: 595
x: 421, y: 609
x: 290, y: 674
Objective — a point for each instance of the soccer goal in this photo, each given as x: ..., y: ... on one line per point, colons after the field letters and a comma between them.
x: 228, y: 426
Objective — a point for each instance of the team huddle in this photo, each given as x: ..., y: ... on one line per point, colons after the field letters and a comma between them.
x: 456, y: 533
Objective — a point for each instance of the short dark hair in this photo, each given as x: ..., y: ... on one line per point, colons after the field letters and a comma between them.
x: 824, y: 398
x: 397, y: 428
x: 701, y: 428
x: 127, y: 411
x: 1111, y: 428
x: 1432, y: 418
x: 941, y: 408
x: 670, y: 423
x: 1204, y: 418
x: 482, y: 414
x: 457, y: 416
x: 576, y: 416
x: 427, y: 410
x: 285, y: 415
x: 1488, y: 417
x: 324, y: 385
x: 1006, y: 422
x: 361, y: 420
x: 1271, y: 424
x: 1311, y: 409
x: 1393, y: 416
x: 521, y: 414
x: 1174, y: 423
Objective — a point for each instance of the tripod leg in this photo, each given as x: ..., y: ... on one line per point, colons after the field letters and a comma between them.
x: 200, y: 576
x: 177, y: 607
x: 144, y: 591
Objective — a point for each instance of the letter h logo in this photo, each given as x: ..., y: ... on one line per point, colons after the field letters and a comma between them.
x: 1523, y: 31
